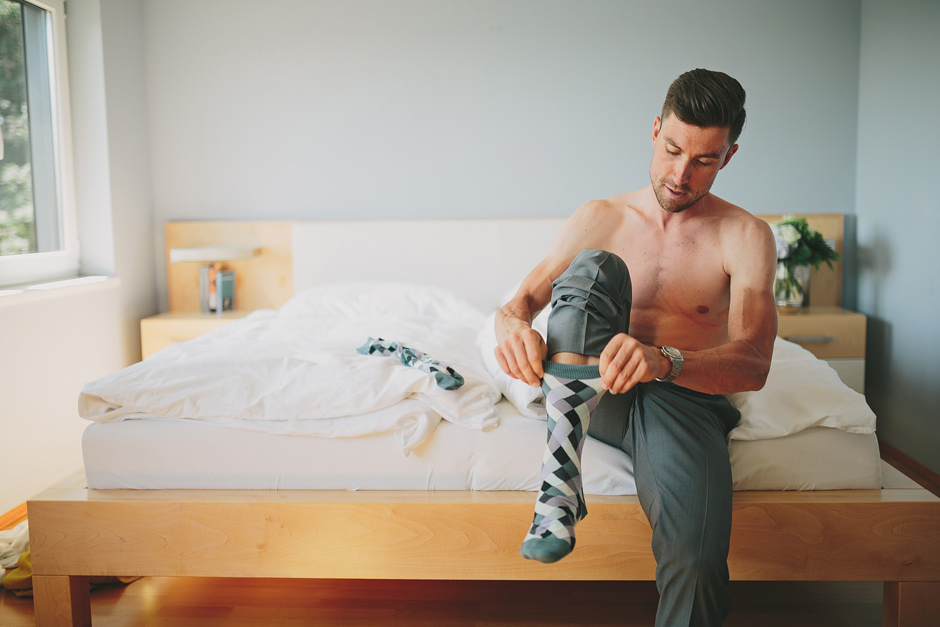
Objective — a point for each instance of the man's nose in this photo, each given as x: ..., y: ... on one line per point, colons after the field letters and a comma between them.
x: 682, y: 172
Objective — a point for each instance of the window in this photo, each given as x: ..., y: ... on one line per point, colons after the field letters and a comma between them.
x: 37, y: 230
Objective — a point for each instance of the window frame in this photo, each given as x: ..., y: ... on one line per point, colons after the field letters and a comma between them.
x: 62, y: 263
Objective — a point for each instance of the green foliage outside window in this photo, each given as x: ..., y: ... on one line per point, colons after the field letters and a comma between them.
x: 17, y: 230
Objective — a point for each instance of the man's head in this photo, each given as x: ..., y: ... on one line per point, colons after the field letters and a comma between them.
x: 702, y: 116
x: 705, y: 98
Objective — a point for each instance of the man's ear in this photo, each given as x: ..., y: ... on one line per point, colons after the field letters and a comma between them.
x: 728, y: 156
x: 657, y: 126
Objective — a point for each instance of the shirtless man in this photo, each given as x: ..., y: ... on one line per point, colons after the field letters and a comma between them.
x: 661, y: 304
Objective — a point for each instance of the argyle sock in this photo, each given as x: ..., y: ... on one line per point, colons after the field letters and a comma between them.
x: 571, y: 394
x: 445, y: 376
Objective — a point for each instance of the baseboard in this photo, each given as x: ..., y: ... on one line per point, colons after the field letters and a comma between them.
x: 13, y: 517
x: 913, y: 469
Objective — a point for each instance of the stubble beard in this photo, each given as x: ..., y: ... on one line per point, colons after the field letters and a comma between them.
x: 671, y: 205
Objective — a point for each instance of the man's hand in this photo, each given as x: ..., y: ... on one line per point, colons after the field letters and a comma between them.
x: 626, y: 362
x: 521, y: 354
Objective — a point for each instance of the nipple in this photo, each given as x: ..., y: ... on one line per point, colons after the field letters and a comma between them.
x: 702, y: 309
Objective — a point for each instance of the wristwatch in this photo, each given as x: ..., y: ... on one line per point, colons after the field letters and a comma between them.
x: 674, y: 356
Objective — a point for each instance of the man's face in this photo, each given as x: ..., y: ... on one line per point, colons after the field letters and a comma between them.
x: 686, y: 160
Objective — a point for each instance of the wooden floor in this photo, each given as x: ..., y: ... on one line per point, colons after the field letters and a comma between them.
x: 281, y: 603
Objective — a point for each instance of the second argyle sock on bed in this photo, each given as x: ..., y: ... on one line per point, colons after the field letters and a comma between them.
x: 571, y: 394
x: 445, y: 376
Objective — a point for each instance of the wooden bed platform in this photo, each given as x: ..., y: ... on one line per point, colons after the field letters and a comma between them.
x: 890, y: 535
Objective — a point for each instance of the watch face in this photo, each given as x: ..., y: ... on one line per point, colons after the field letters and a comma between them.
x: 672, y: 352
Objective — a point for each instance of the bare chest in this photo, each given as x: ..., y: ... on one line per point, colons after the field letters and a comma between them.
x: 681, y: 290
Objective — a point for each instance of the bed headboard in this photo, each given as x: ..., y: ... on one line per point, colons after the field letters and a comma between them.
x: 481, y: 258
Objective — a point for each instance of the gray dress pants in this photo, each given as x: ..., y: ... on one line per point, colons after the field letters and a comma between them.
x: 676, y: 437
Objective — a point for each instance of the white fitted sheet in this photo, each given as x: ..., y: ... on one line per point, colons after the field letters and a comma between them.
x: 196, y: 454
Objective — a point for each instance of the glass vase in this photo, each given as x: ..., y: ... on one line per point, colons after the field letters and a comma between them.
x: 791, y: 286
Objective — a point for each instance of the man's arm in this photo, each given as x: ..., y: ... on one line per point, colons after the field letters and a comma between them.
x: 741, y: 364
x: 521, y: 349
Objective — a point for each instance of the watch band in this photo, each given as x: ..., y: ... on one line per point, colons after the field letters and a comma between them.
x: 674, y: 355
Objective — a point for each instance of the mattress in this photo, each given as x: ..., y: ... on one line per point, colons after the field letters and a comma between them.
x: 200, y: 454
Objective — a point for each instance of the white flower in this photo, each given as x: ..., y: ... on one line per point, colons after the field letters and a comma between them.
x: 783, y: 249
x: 789, y: 233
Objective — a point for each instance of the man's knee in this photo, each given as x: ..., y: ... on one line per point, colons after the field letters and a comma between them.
x: 590, y: 303
x: 601, y: 266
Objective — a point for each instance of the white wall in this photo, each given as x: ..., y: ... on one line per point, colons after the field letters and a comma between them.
x: 364, y: 109
x: 52, y: 345
x: 129, y: 166
x: 899, y: 221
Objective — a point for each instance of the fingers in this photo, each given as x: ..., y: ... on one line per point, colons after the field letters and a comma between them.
x: 520, y: 356
x: 624, y: 362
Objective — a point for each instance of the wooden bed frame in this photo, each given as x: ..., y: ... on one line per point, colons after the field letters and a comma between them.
x: 890, y: 535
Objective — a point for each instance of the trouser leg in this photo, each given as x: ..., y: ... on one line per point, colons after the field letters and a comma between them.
x: 677, y: 439
x: 683, y: 478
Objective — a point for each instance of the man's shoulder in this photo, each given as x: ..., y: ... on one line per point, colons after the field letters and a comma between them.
x: 743, y: 235
x: 619, y: 208
x: 605, y: 211
x: 597, y: 224
x: 734, y: 217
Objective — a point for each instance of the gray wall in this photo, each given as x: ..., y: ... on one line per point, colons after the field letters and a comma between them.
x: 366, y: 109
x: 898, y: 213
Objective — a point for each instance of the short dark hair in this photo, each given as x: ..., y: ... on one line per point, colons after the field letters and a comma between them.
x: 706, y: 98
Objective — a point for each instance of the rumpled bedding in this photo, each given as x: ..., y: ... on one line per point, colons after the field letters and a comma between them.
x: 296, y: 371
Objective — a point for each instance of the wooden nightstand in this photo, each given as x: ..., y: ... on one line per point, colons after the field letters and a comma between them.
x: 831, y: 333
x: 158, y: 332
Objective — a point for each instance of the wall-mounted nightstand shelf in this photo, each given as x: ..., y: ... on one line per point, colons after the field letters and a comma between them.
x: 208, y: 254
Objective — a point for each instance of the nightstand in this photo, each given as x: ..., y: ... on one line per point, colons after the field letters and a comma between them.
x: 831, y: 333
x: 158, y: 332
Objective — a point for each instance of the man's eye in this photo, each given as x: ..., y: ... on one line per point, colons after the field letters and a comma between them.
x: 705, y: 164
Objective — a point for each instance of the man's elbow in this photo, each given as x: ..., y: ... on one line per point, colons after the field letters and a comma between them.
x: 758, y: 376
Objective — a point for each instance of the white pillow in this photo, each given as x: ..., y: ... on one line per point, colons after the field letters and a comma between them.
x: 802, y: 391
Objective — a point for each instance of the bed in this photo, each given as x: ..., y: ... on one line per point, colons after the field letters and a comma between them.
x: 177, y: 498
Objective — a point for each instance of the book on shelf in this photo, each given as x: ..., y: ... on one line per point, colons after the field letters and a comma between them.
x: 216, y: 289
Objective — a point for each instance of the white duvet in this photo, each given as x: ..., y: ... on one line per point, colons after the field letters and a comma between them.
x: 296, y: 371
